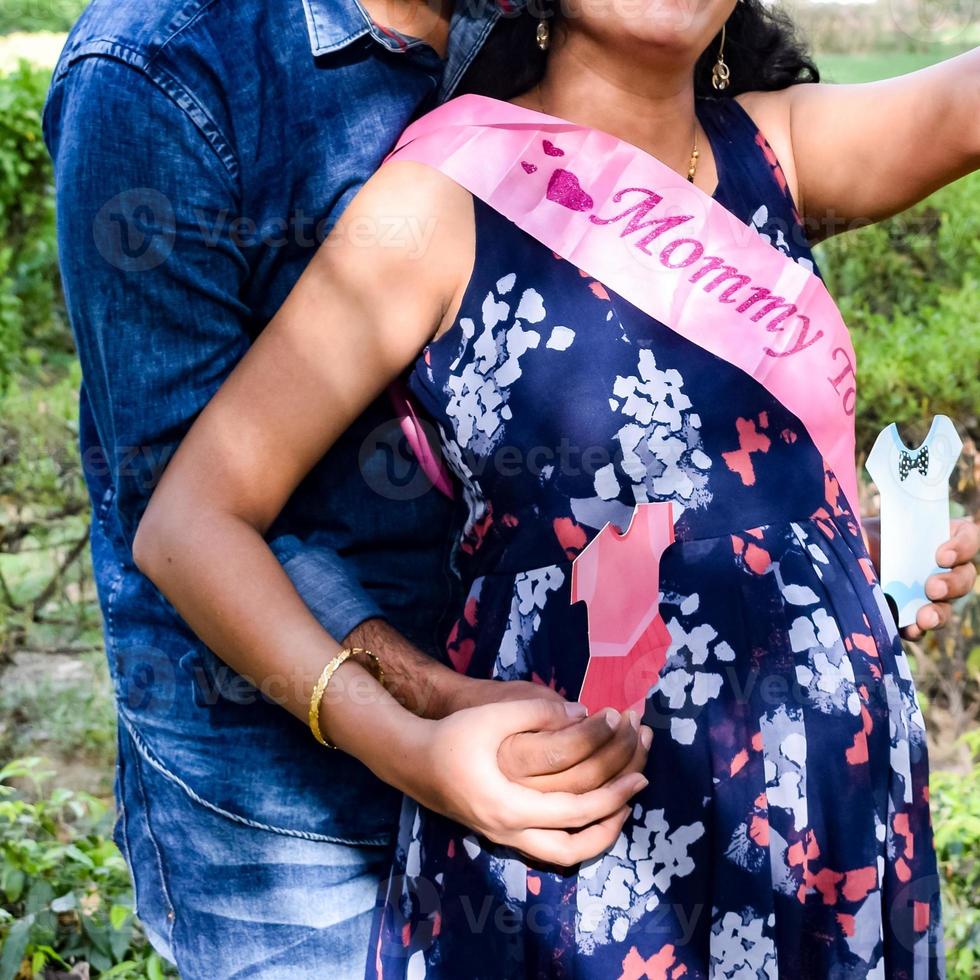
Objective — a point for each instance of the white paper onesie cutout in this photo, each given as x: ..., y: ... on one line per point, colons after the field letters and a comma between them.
x: 914, y: 489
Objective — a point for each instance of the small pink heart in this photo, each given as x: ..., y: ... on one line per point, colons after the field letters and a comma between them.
x: 564, y: 189
x: 551, y: 149
x: 529, y: 168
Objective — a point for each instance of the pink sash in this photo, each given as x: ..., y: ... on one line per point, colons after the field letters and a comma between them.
x: 632, y: 223
x: 429, y: 460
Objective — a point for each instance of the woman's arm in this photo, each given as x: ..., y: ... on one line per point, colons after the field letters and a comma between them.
x: 387, y: 278
x: 855, y: 154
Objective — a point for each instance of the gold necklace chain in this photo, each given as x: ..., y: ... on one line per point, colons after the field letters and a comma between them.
x: 692, y: 166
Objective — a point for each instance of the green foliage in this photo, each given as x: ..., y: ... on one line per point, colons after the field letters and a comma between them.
x: 30, y: 311
x: 907, y: 289
x: 956, y: 821
x: 77, y: 720
x: 871, y: 66
x: 46, y: 593
x: 65, y: 894
x: 39, y: 15
x: 38, y: 440
x: 868, y: 41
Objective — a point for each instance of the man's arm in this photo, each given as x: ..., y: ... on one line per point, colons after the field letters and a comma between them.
x: 569, y: 756
x: 153, y: 278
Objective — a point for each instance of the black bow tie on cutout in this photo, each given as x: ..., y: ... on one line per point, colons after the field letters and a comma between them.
x: 914, y: 461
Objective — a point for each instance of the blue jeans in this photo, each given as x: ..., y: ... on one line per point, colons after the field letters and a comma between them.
x: 221, y: 898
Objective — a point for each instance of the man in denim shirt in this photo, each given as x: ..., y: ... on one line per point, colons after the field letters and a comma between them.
x: 202, y: 148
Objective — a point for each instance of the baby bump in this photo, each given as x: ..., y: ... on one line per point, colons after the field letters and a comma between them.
x: 801, y: 596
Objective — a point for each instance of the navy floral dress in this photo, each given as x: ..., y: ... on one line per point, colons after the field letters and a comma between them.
x: 785, y: 831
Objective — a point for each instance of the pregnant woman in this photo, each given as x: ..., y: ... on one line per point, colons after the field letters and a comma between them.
x: 604, y: 296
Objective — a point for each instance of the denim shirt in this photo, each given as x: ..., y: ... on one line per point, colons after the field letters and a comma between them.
x: 201, y: 149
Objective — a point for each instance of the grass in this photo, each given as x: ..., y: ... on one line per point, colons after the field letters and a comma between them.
x: 872, y: 66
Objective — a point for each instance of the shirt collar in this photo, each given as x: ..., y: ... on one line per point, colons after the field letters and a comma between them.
x: 333, y: 24
x: 471, y: 24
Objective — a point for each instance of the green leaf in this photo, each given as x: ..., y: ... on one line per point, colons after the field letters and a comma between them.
x: 80, y: 856
x: 101, y: 961
x: 98, y: 935
x: 19, y: 769
x: 65, y: 903
x: 154, y: 967
x: 123, y: 969
x: 12, y: 883
x: 52, y: 955
x: 15, y: 947
x: 119, y: 942
x: 119, y: 916
x: 39, y: 895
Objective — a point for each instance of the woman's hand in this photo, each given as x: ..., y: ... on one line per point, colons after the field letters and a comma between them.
x: 460, y: 776
x: 959, y: 555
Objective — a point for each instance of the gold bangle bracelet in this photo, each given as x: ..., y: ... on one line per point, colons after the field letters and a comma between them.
x: 324, y: 679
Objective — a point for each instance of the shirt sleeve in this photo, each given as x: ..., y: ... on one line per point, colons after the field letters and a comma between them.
x: 153, y: 276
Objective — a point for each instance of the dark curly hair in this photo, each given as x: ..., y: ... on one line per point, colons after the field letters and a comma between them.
x: 762, y: 49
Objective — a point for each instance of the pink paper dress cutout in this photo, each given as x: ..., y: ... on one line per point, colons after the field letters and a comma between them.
x: 618, y: 578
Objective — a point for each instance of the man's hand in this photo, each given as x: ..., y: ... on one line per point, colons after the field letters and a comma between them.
x: 578, y: 755
x: 572, y: 754
x: 958, y: 554
x: 417, y: 681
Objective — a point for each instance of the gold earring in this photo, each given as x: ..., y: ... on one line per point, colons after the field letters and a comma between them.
x: 543, y: 34
x: 721, y: 74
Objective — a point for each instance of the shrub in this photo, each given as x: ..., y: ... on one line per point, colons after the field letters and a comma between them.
x: 39, y: 15
x: 31, y: 315
x: 65, y: 894
x: 956, y: 820
x: 906, y: 288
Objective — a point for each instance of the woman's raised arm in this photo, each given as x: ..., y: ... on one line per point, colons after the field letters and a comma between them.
x: 860, y: 153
